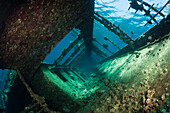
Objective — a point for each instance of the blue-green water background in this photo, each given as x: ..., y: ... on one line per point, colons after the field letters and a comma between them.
x: 117, y: 12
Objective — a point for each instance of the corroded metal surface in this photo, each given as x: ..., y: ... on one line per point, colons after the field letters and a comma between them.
x: 35, y: 28
x: 76, y: 50
x: 115, y: 29
x: 149, y: 37
x: 134, y: 82
x: 67, y: 50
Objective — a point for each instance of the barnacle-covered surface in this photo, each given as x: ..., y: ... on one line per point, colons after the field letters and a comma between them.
x: 62, y: 87
x: 135, y: 82
x: 33, y: 30
x: 128, y: 83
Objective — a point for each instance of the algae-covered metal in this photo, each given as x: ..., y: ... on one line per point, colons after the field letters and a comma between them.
x: 34, y: 28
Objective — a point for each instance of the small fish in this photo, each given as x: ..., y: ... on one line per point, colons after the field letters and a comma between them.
x: 132, y: 32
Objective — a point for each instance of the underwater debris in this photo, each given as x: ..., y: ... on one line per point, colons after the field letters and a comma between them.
x: 40, y: 100
x: 105, y: 38
x: 135, y: 5
x: 119, y: 98
x: 114, y: 28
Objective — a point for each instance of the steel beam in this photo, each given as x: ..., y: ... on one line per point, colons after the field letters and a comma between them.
x: 99, y: 52
x: 115, y: 29
x: 77, y: 57
x: 65, y: 51
x: 145, y: 3
x: 159, y: 12
x: 77, y: 49
x: 103, y: 46
x: 111, y: 42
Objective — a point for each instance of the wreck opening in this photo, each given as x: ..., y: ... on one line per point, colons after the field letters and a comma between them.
x: 78, y: 56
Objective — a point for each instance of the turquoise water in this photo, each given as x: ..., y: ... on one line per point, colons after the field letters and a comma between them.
x: 117, y: 12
